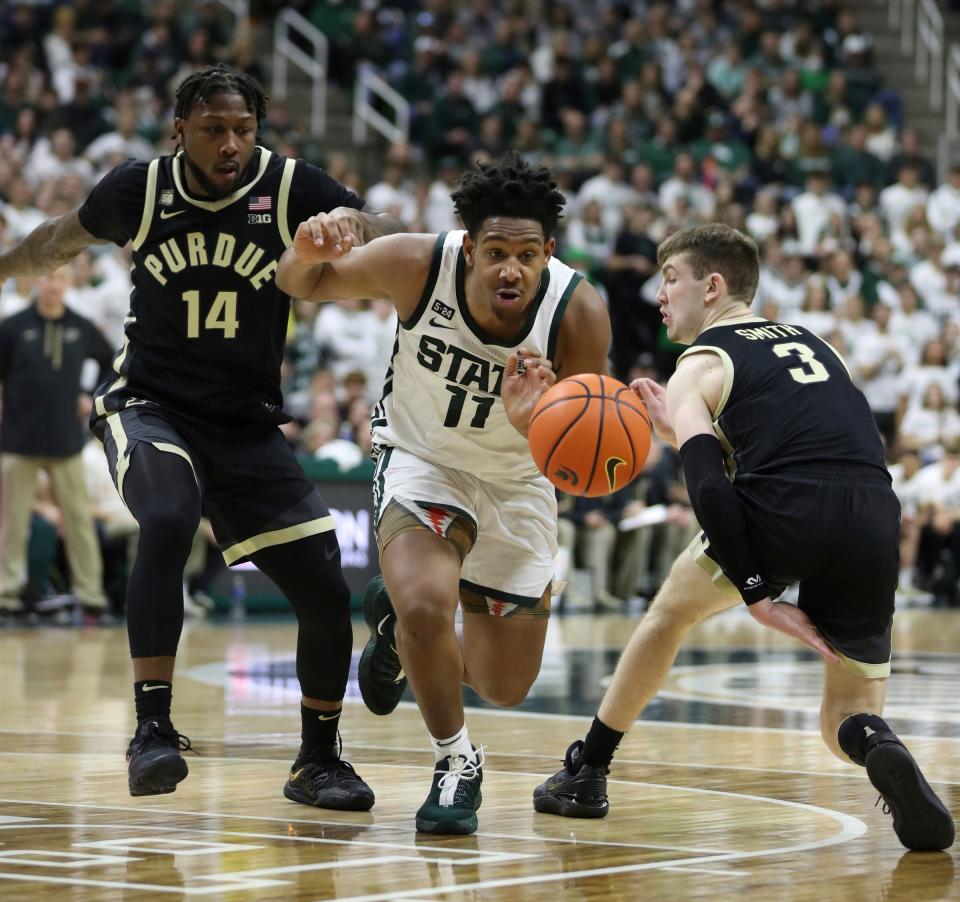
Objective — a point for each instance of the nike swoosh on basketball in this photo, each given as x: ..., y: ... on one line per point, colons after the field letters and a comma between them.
x: 150, y: 688
x: 167, y: 214
x: 437, y: 324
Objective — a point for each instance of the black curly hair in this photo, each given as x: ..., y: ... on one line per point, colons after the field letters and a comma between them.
x: 511, y: 187
x: 220, y: 79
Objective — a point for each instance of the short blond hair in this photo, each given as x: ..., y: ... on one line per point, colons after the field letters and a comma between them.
x: 716, y: 247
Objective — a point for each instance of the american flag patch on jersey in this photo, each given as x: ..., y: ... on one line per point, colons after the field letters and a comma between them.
x: 264, y: 202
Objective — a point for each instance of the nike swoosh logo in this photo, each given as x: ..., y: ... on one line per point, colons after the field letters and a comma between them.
x: 151, y: 688
x: 438, y: 325
x: 328, y: 716
x: 331, y: 553
x: 167, y: 214
x: 134, y: 401
x: 611, y: 467
x: 296, y: 773
x: 381, y: 623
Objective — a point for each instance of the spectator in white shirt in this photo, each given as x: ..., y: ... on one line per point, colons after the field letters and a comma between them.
x: 392, y: 194
x: 844, y: 279
x: 932, y: 367
x: 904, y: 473
x: 814, y: 314
x: 55, y: 157
x: 120, y: 144
x: 943, y: 205
x: 21, y: 215
x: 814, y: 209
x: 610, y: 190
x: 931, y: 425
x: 916, y: 325
x: 438, y: 213
x: 763, y: 221
x: 853, y: 322
x: 683, y: 184
x: 898, y: 200
x: 878, y: 359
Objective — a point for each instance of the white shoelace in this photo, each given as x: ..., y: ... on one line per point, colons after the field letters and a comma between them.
x: 460, y: 769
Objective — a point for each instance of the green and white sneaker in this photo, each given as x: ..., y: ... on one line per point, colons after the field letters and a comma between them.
x: 380, y: 673
x: 451, y: 807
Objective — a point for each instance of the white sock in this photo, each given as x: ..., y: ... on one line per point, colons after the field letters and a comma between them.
x: 906, y: 578
x: 458, y: 744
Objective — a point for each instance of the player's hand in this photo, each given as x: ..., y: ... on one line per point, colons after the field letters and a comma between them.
x: 789, y: 619
x: 654, y: 395
x: 324, y: 238
x: 527, y: 376
x: 84, y: 405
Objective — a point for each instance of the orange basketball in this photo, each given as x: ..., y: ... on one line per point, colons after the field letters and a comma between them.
x: 590, y: 435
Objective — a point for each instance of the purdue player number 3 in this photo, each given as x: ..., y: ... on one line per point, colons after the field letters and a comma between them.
x: 817, y: 372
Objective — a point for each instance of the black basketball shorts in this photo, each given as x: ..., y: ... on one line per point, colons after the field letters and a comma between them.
x: 836, y: 532
x: 253, y: 490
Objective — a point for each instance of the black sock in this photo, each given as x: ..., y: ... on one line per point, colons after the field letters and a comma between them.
x: 600, y: 744
x: 153, y: 699
x: 319, y: 731
x: 857, y: 730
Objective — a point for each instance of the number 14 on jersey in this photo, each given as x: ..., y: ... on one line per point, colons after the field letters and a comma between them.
x: 222, y: 315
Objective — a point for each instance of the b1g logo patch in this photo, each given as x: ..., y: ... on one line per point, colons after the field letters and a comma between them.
x: 259, y: 218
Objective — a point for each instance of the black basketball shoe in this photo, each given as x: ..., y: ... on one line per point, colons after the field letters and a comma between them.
x: 154, y: 762
x: 380, y: 673
x: 323, y: 779
x: 920, y: 819
x: 579, y: 790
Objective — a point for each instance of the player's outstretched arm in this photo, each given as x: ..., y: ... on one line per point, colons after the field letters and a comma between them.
x: 324, y: 264
x: 47, y: 247
x: 369, y: 224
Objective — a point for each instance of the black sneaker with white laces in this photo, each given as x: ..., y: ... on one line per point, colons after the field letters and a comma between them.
x: 920, y: 820
x: 323, y: 779
x: 578, y: 790
x: 380, y: 673
x: 154, y: 762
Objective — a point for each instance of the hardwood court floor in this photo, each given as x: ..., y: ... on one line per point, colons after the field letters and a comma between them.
x: 725, y: 791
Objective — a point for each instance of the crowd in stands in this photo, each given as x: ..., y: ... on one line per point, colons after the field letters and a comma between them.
x: 772, y: 116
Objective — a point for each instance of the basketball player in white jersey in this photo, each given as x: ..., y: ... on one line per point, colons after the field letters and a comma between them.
x: 461, y: 512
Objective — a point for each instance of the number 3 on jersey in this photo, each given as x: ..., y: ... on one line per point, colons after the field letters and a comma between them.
x: 222, y: 315
x: 810, y: 370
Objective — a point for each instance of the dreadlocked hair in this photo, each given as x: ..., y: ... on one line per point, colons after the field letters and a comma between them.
x: 220, y: 79
x: 510, y: 187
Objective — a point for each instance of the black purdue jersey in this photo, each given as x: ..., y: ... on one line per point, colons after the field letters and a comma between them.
x: 207, y: 324
x: 788, y: 401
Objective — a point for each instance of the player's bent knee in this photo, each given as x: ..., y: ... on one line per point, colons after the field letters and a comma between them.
x: 503, y: 693
x: 168, y: 524
x: 674, y: 611
x: 423, y: 618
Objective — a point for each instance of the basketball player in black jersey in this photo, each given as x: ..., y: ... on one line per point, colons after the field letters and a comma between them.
x: 189, y: 418
x: 809, y: 501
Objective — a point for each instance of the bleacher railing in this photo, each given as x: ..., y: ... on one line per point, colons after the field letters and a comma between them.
x: 314, y: 64
x: 921, y: 35
x: 950, y: 131
x: 239, y: 8
x: 368, y: 87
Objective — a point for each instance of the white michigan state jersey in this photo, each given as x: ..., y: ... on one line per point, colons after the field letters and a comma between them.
x: 441, y: 398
